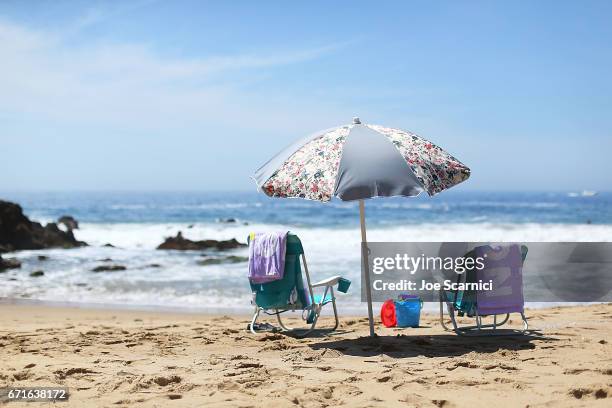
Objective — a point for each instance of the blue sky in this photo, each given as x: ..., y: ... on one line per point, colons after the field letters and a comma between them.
x: 196, y: 95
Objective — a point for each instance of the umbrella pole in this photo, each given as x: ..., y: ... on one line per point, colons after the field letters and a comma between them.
x: 366, y: 266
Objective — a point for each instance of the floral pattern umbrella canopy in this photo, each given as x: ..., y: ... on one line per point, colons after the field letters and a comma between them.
x: 359, y: 161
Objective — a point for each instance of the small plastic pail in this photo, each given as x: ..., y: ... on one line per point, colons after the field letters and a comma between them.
x: 387, y: 314
x: 408, y: 311
x: 343, y: 285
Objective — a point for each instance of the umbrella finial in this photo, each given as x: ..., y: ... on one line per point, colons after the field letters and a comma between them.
x: 356, y: 121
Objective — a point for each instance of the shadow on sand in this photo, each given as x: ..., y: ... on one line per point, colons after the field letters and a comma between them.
x: 440, y: 345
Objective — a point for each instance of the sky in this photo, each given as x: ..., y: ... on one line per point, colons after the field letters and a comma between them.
x: 196, y: 95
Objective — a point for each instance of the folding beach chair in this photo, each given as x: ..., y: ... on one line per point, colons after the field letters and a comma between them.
x: 503, y: 266
x: 291, y: 293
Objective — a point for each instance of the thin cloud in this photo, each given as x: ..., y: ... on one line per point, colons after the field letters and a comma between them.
x: 129, y: 84
x: 102, y: 12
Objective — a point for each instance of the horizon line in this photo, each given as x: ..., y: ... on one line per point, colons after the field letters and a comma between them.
x: 144, y: 191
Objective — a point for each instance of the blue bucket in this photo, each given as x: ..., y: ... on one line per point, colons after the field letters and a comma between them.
x: 408, y: 311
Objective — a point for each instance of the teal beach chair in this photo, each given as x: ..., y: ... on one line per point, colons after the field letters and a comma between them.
x: 292, y: 293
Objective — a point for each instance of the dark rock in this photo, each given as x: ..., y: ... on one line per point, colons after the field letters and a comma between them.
x: 236, y: 259
x: 37, y: 273
x: 154, y: 265
x: 109, y: 268
x: 223, y: 260
x: 9, y: 263
x: 69, y: 222
x: 227, y: 244
x: 184, y: 244
x: 228, y: 220
x: 108, y: 245
x: 18, y: 232
x: 42, y: 257
x: 105, y: 260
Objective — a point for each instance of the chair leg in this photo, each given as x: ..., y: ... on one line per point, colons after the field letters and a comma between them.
x: 312, y: 326
x: 504, y: 321
x: 255, y: 316
x: 442, y: 315
x: 525, y: 324
x: 280, y: 322
x: 335, y: 315
x: 485, y: 329
x: 476, y: 330
x: 335, y: 308
x: 451, y: 313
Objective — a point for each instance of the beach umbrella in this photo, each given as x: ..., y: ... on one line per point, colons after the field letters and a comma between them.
x: 356, y: 162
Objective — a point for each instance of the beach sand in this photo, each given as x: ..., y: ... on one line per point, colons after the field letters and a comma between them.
x: 132, y: 358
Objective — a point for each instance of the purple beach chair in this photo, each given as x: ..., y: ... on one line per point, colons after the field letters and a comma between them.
x: 503, y: 266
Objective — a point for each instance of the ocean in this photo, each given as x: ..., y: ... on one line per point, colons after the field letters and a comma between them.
x: 136, y: 223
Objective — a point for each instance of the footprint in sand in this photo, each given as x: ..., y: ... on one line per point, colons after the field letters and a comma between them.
x: 575, y: 370
x: 470, y: 382
x: 298, y: 356
x: 63, y: 374
x: 466, y: 364
x: 22, y: 375
x: 228, y: 385
x: 164, y: 381
x: 146, y: 382
x: 596, y: 392
x: 277, y: 346
x: 271, y: 337
x: 415, y: 400
x: 249, y: 365
x: 442, y: 403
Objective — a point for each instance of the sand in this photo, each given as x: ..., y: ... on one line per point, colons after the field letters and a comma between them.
x: 131, y: 358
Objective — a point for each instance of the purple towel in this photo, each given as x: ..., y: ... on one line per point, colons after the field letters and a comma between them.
x: 503, y: 265
x: 267, y: 256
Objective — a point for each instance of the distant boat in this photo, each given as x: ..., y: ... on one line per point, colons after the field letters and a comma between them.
x: 585, y: 193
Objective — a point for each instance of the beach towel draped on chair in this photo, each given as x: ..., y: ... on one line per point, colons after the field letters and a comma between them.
x: 267, y: 256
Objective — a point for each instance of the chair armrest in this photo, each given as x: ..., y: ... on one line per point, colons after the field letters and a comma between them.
x: 327, y: 282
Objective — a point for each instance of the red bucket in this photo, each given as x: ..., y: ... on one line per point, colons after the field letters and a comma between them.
x: 387, y: 314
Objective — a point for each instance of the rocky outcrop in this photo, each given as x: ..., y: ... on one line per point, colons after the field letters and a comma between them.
x: 228, y: 220
x: 69, y: 222
x: 18, y: 232
x: 10, y: 263
x: 183, y: 244
x: 223, y: 260
x: 109, y: 268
